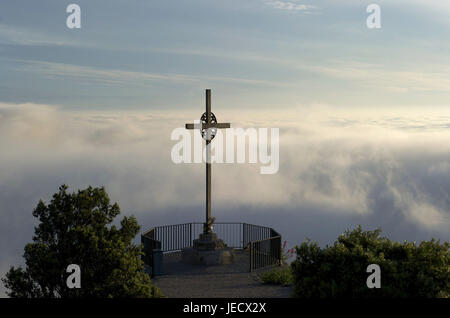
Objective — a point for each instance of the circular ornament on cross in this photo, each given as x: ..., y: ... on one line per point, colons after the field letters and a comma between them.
x: 213, y: 130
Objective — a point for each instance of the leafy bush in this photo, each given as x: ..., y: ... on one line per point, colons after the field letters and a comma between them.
x: 407, y: 269
x: 76, y: 228
x: 278, y: 276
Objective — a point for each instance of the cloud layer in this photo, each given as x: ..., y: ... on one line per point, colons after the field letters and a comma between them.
x: 337, y: 169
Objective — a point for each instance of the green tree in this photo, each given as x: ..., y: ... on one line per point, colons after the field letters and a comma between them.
x: 407, y: 269
x: 76, y: 228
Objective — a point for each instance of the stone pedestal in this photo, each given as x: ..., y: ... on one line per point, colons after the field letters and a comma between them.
x: 208, y: 250
x: 221, y: 256
x: 208, y: 241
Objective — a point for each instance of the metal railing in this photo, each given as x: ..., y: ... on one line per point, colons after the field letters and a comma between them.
x: 264, y: 243
x: 150, y: 245
x: 265, y: 253
x: 229, y: 233
x: 174, y: 237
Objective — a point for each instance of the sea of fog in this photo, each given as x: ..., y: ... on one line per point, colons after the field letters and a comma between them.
x: 337, y: 169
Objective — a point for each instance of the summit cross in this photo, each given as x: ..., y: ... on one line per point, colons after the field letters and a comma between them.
x: 208, y: 129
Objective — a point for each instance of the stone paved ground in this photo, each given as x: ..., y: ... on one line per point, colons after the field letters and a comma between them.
x: 227, y: 281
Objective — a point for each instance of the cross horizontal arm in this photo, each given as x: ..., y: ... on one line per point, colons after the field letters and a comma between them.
x: 217, y: 125
x: 192, y: 126
x: 206, y: 126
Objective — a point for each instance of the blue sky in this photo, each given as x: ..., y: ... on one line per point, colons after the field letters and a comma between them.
x: 253, y: 54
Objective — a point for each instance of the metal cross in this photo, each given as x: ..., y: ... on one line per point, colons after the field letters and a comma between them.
x: 208, y: 126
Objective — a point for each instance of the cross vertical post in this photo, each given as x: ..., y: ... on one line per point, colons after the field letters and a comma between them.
x: 208, y: 159
x: 208, y: 129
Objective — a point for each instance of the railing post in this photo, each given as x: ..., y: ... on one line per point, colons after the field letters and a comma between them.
x: 153, y: 265
x: 251, y: 256
x: 279, y: 251
x: 243, y: 235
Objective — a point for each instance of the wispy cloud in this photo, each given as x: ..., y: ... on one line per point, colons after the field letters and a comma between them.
x: 119, y: 77
x: 392, y: 78
x: 290, y: 5
x: 25, y: 36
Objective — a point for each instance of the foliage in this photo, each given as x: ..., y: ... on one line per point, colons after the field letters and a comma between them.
x: 286, y: 254
x: 407, y: 269
x: 76, y: 228
x: 278, y: 276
